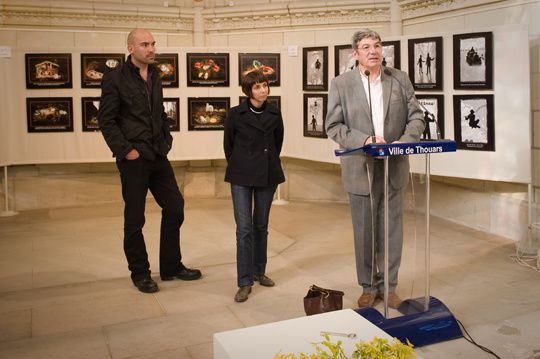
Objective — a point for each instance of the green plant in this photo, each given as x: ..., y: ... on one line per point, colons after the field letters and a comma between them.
x: 378, y: 348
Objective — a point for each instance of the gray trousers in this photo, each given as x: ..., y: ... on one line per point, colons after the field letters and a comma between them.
x: 369, y: 250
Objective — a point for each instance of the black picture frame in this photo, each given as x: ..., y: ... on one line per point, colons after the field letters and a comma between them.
x: 48, y: 71
x: 207, y: 113
x: 269, y: 63
x: 272, y: 100
x: 171, y: 106
x: 167, y: 64
x: 49, y: 114
x: 89, y: 111
x: 434, y: 118
x: 474, y: 125
x: 315, y: 105
x: 473, y: 61
x: 208, y: 69
x: 94, y: 66
x: 344, y: 59
x: 391, y: 54
x: 315, y: 68
x: 426, y: 51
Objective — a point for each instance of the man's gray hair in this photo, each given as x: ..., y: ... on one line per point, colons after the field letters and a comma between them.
x: 362, y: 34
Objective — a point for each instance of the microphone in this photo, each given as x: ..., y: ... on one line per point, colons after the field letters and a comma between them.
x: 389, y: 73
x: 367, y: 73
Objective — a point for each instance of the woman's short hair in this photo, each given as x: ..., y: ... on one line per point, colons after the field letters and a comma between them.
x: 252, y: 78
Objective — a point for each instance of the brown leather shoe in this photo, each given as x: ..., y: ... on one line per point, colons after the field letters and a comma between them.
x: 366, y: 300
x: 264, y: 280
x: 242, y: 294
x: 393, y: 300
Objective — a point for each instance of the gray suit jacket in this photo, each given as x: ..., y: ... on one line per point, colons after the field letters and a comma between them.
x: 348, y: 123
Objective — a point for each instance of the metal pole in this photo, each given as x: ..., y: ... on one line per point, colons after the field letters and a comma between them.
x: 386, y: 284
x: 6, y: 212
x: 426, y: 298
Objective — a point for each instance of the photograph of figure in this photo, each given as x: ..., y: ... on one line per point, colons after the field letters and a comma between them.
x: 473, y: 61
x: 314, y: 115
x: 391, y: 54
x: 425, y: 63
x: 425, y: 52
x: 473, y: 122
x: 344, y: 59
x: 433, y: 109
x: 315, y: 68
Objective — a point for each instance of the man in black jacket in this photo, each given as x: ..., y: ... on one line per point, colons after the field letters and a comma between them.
x: 136, y: 129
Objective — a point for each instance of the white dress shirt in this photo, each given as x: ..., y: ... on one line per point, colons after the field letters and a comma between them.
x: 376, y: 102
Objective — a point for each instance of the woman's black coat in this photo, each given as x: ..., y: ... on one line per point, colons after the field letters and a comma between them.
x: 252, y: 146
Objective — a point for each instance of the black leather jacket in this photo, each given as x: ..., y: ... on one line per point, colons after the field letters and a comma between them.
x: 126, y: 118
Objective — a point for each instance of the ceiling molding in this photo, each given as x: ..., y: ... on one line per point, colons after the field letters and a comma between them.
x: 412, y: 9
x: 245, y: 18
x: 106, y: 16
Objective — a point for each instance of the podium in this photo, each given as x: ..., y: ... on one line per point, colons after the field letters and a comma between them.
x: 425, y: 320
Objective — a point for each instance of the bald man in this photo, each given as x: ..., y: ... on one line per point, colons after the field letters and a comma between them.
x: 136, y: 129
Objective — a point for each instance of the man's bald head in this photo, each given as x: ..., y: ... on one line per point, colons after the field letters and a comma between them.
x: 132, y: 36
x: 141, y: 46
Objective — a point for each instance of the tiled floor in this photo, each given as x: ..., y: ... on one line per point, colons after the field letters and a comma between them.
x: 65, y: 291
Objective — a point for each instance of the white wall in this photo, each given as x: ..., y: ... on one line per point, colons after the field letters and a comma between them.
x: 78, y: 146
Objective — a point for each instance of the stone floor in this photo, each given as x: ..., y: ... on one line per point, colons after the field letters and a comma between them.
x: 65, y: 291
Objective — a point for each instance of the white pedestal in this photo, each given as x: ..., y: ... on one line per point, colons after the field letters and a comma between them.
x: 294, y: 335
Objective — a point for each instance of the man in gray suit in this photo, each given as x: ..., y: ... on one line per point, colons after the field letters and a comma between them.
x: 374, y: 104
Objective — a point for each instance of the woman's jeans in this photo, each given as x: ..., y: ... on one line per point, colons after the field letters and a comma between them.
x: 251, y: 213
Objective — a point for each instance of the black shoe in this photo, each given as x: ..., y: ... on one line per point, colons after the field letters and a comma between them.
x: 264, y: 280
x: 146, y: 285
x: 184, y: 274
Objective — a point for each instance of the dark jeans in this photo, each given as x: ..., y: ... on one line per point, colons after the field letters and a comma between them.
x: 251, y: 213
x: 138, y: 176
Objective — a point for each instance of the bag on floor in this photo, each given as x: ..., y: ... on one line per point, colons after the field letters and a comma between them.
x: 320, y: 300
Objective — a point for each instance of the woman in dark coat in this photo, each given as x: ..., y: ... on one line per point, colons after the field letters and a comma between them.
x: 252, y: 142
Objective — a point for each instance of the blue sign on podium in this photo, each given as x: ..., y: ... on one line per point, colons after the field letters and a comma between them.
x: 400, y: 149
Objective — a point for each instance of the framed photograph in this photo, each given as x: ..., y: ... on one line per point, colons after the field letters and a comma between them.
x: 48, y: 71
x: 90, y: 109
x: 208, y: 69
x: 391, y: 52
x: 168, y: 69
x: 268, y: 63
x: 474, y: 125
x: 343, y: 59
x: 207, y: 113
x: 94, y: 66
x: 315, y: 115
x: 171, y: 106
x: 315, y: 68
x: 273, y: 100
x: 473, y: 61
x: 433, y: 108
x: 425, y: 63
x: 49, y: 114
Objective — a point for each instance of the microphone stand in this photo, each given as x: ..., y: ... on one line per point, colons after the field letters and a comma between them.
x: 367, y: 73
